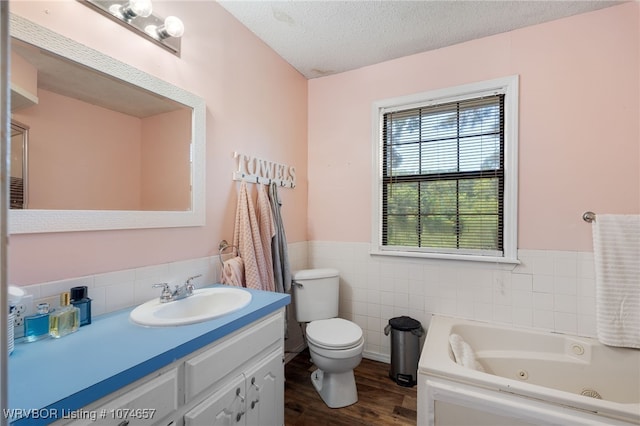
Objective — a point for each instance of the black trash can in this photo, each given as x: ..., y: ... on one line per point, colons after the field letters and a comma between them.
x: 405, y: 349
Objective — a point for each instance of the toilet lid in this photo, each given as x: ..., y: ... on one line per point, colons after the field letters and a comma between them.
x: 335, y: 333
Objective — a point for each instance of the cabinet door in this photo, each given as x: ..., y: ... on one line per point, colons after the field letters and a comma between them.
x: 265, y: 391
x: 225, y: 407
x: 211, y: 366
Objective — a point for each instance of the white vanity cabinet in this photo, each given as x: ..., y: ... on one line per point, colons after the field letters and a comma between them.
x: 247, y: 373
x: 255, y: 397
x: 236, y: 380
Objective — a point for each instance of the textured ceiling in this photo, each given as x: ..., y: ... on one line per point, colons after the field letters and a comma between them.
x: 320, y: 38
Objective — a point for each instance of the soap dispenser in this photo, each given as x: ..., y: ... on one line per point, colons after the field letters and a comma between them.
x: 65, y: 320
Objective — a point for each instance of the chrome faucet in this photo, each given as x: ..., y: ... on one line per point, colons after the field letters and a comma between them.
x: 180, y: 292
x: 166, y: 295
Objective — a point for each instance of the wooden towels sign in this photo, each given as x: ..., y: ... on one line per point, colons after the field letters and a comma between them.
x: 258, y: 170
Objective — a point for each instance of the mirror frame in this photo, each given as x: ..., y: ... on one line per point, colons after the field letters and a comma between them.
x: 40, y: 221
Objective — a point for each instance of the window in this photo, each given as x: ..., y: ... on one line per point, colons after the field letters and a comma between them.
x: 446, y: 167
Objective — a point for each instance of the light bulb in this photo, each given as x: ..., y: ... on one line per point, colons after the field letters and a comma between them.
x: 173, y: 26
x: 132, y: 9
x: 141, y: 8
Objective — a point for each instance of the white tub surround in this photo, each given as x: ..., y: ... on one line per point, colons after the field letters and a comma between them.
x: 531, y: 377
x: 549, y: 290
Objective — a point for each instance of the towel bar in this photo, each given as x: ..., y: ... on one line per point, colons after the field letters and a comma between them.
x: 589, y: 216
x: 224, y: 245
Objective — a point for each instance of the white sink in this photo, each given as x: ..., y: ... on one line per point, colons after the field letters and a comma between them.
x: 203, y: 304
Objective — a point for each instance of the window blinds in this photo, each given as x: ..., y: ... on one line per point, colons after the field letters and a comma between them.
x: 443, y: 177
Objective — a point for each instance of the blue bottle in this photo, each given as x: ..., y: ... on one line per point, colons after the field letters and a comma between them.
x: 80, y: 300
x: 36, y: 326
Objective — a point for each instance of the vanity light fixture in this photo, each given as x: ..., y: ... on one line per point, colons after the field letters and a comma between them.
x: 138, y: 16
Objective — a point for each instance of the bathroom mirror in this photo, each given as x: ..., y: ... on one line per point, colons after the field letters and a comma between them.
x: 153, y: 174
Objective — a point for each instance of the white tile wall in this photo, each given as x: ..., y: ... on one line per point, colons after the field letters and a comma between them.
x: 117, y: 290
x: 549, y: 290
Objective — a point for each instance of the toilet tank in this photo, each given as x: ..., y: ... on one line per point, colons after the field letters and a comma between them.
x: 315, y: 293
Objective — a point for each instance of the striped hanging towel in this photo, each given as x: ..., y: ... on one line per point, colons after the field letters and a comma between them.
x: 616, y: 244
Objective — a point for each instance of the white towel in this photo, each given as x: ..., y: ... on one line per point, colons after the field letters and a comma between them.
x: 233, y: 272
x: 616, y: 245
x: 463, y: 353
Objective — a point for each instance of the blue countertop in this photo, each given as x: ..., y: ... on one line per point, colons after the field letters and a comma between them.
x: 57, y: 376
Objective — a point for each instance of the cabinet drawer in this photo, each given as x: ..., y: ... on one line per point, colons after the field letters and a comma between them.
x: 144, y: 405
x: 212, y: 365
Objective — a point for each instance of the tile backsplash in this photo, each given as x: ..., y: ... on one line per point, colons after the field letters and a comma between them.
x: 548, y: 290
x: 117, y: 290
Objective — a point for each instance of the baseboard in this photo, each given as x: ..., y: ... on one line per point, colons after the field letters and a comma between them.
x: 375, y: 356
x: 291, y: 354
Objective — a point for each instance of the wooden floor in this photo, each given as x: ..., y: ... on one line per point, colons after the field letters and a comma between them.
x: 380, y: 400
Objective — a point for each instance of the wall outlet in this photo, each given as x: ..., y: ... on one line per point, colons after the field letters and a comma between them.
x: 21, y: 310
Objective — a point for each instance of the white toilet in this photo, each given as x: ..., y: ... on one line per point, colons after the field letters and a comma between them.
x: 335, y: 344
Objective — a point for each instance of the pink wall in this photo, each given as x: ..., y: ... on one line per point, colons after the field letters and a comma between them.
x: 579, y: 136
x: 23, y: 74
x: 92, y: 164
x: 256, y: 104
x: 166, y: 167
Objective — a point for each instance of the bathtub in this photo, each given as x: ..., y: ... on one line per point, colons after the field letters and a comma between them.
x: 530, y: 378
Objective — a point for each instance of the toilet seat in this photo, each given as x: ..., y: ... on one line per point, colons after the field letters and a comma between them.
x: 334, y: 334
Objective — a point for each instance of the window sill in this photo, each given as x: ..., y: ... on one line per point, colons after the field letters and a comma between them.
x: 445, y: 256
